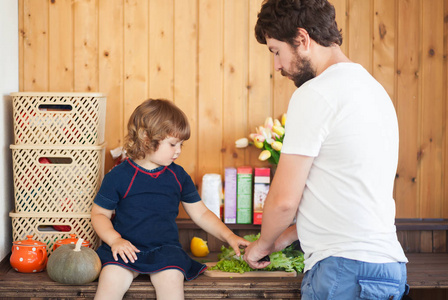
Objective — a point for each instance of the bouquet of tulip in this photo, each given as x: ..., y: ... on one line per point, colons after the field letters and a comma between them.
x: 268, y: 137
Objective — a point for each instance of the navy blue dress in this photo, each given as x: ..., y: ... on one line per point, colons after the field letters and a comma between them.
x: 146, y: 204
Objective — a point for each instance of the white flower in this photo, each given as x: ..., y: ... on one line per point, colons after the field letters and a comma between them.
x: 242, y: 143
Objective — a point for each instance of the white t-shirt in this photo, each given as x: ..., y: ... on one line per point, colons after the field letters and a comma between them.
x: 346, y: 120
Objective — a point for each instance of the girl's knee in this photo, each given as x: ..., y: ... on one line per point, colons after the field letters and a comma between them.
x: 113, y: 282
x: 168, y: 275
x: 171, y: 277
x: 168, y: 284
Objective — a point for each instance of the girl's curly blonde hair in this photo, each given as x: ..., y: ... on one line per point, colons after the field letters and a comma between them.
x: 151, y: 122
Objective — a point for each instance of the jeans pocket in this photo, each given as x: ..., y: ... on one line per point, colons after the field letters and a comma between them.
x: 379, y: 288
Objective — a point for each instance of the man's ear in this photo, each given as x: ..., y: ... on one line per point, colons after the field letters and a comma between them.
x: 303, y: 38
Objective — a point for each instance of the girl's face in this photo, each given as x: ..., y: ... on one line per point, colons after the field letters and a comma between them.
x: 169, y: 149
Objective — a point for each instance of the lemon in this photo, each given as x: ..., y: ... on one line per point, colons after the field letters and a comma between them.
x: 199, y: 247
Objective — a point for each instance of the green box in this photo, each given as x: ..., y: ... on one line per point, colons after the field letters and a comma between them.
x: 244, y: 195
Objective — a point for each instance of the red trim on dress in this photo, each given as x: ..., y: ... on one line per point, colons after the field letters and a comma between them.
x: 153, y: 175
x: 180, y: 186
x: 130, y: 184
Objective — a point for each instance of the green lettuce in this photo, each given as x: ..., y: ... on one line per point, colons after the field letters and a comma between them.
x: 289, y: 260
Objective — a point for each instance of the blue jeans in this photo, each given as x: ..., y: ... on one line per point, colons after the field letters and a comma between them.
x: 342, y: 278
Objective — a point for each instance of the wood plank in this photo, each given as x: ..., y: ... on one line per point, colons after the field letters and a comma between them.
x: 425, y: 271
x: 39, y: 285
x: 22, y: 37
x: 135, y: 56
x: 283, y: 88
x: 260, y: 84
x: 161, y: 49
x: 235, y: 81
x: 342, y: 19
x: 384, y: 45
x: 360, y: 31
x: 433, y: 294
x: 35, y: 46
x: 445, y: 80
x: 421, y: 224
x: 186, y: 81
x: 407, y: 106
x: 426, y: 241
x: 431, y: 144
x: 85, y: 16
x: 410, y: 241
x: 111, y: 72
x: 210, y: 118
x: 61, y: 46
x: 439, y: 243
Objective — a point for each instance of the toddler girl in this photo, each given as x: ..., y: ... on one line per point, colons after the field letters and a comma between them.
x: 144, y: 191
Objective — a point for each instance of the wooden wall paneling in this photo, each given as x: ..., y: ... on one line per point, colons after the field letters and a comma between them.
x: 360, y: 30
x: 35, y: 46
x: 384, y: 44
x: 384, y: 50
x: 210, y: 115
x: 186, y: 81
x: 183, y: 238
x: 410, y: 241
x: 431, y: 192
x: 136, y: 56
x: 161, y: 48
x: 341, y: 19
x: 402, y: 239
x: 423, y: 241
x: 439, y: 244
x: 214, y: 244
x: 283, y: 88
x: 445, y: 101
x: 236, y: 47
x: 419, y: 85
x: 260, y: 84
x: 85, y: 46
x: 185, y: 75
x: 110, y: 68
x: 60, y: 46
x: 22, y: 38
x: 407, y: 106
x: 426, y: 241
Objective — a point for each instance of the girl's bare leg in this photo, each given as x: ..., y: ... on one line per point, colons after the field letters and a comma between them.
x: 113, y: 283
x: 169, y: 284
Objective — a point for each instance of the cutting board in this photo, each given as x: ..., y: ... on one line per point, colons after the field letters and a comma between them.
x: 218, y: 273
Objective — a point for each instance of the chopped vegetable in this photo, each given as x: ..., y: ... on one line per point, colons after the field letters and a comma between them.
x: 289, y: 260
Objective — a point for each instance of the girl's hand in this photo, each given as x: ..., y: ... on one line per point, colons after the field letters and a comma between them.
x: 125, y: 249
x: 237, y: 243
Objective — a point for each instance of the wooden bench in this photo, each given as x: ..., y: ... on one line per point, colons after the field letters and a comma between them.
x: 39, y: 285
x: 427, y: 274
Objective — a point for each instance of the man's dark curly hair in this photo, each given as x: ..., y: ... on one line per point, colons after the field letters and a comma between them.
x: 280, y: 19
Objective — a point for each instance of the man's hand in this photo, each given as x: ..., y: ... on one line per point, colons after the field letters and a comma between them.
x: 253, y: 254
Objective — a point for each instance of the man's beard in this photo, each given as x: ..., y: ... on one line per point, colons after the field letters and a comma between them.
x: 304, y: 71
